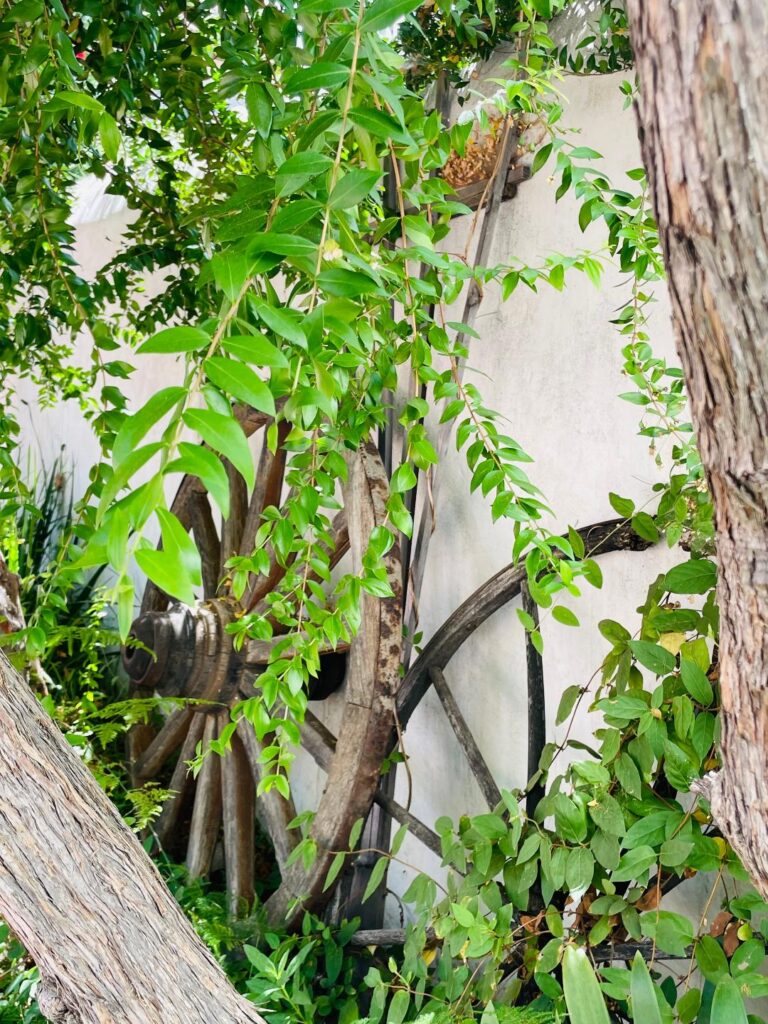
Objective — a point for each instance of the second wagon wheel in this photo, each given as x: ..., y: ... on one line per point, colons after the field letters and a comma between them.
x: 194, y: 658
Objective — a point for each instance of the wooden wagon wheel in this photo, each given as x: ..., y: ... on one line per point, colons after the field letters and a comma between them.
x: 194, y: 658
x: 428, y: 670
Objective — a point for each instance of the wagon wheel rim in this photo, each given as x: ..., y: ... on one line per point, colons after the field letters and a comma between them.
x: 195, y: 659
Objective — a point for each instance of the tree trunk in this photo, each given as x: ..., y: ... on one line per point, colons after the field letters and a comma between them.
x: 703, y: 119
x: 112, y: 945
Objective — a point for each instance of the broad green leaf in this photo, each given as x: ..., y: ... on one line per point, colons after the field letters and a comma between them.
x: 109, y: 136
x: 634, y: 864
x: 163, y: 569
x: 382, y: 126
x: 623, y: 506
x: 567, y: 703
x: 135, y: 427
x: 696, y: 576
x: 336, y: 865
x: 123, y: 472
x: 711, y: 959
x: 230, y: 272
x: 176, y: 339
x: 377, y: 876
x: 606, y: 814
x: 256, y: 349
x: 673, y: 932
x: 290, y: 246
x: 298, y: 170
x: 564, y: 615
x: 25, y: 10
x: 696, y: 682
x: 352, y: 188
x: 77, y: 99
x: 240, y: 381
x: 351, y: 283
x: 225, y: 435
x: 281, y: 322
x: 728, y: 1004
x: 581, y: 988
x: 579, y: 869
x: 324, y: 74
x: 201, y: 462
x: 645, y: 1005
x: 383, y: 13
x: 652, y: 656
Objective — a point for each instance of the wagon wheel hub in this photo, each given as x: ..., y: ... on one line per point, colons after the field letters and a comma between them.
x: 184, y: 652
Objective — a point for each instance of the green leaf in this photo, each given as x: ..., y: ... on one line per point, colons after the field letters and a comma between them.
x: 645, y: 527
x: 336, y: 865
x: 352, y: 188
x: 696, y: 576
x: 377, y: 876
x: 463, y: 915
x: 77, y: 99
x: 606, y: 814
x: 256, y: 349
x: 696, y: 682
x: 542, y: 155
x: 324, y: 74
x: 623, y: 506
x: 176, y: 339
x: 579, y: 869
x: 25, y: 10
x: 652, y: 656
x: 298, y: 170
x: 135, y: 427
x: 379, y: 124
x: 383, y: 13
x: 728, y: 1004
x: 109, y: 135
x: 403, y: 479
x: 346, y: 283
x: 645, y: 1005
x: 201, y: 462
x: 628, y: 775
x: 290, y: 246
x: 564, y: 615
x: 711, y: 959
x: 567, y: 703
x: 239, y: 381
x: 582, y: 990
x: 225, y: 435
x: 283, y: 323
x: 673, y: 932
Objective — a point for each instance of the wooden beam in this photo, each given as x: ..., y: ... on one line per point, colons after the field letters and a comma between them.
x: 537, y: 708
x: 472, y: 752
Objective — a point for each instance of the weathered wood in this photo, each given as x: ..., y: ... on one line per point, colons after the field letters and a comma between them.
x: 703, y: 115
x: 472, y: 752
x: 273, y: 810
x: 111, y: 943
x: 417, y: 828
x: 206, y: 814
x: 207, y: 542
x: 232, y: 527
x: 238, y: 816
x: 163, y: 745
x: 180, y: 784
x: 373, y: 675
x: 537, y: 707
x: 259, y: 652
x: 269, y: 485
x: 599, y: 538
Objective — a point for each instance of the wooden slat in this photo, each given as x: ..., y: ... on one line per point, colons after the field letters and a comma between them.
x: 163, y: 745
x: 206, y: 815
x: 238, y: 815
x: 537, y: 708
x: 181, y: 780
x: 416, y: 828
x: 269, y: 486
x: 477, y: 762
x: 207, y: 542
x: 372, y: 680
x: 232, y: 528
x: 273, y: 810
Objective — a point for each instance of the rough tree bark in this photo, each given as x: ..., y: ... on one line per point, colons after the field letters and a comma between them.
x: 703, y: 119
x: 112, y: 945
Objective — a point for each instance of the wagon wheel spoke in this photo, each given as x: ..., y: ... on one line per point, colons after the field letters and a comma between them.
x: 477, y: 762
x: 232, y: 528
x: 206, y: 815
x: 274, y: 812
x: 268, y: 489
x: 181, y: 782
x: 208, y: 543
x: 238, y: 814
x: 163, y: 745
